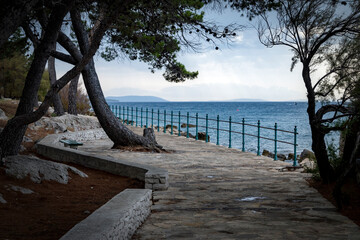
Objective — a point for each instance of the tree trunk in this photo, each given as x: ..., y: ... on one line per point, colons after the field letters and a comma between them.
x: 72, y: 97
x: 58, y: 107
x: 116, y: 131
x: 327, y: 172
x: 11, y: 137
x: 348, y: 163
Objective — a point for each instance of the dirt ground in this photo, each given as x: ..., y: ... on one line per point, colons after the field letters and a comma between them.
x: 351, y: 197
x: 53, y: 208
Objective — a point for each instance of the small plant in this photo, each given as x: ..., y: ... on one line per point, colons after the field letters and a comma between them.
x: 333, y: 154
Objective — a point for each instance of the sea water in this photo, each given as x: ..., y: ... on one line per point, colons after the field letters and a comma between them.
x: 287, y: 115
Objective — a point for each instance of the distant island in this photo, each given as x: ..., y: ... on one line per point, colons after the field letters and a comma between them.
x: 246, y: 100
x: 135, y: 99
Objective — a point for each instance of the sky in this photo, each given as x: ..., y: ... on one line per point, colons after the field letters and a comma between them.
x: 245, y: 69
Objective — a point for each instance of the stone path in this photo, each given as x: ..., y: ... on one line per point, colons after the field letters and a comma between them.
x: 221, y: 193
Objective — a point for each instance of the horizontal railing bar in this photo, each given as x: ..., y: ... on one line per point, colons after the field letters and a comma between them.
x: 129, y: 113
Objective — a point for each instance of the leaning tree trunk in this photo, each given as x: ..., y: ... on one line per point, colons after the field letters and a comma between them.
x: 116, y: 131
x: 72, y: 96
x: 11, y: 137
x: 58, y: 107
x: 327, y: 172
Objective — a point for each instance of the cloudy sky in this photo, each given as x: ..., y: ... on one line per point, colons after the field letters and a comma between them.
x: 244, y: 69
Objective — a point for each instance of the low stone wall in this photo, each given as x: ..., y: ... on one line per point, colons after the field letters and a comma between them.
x: 117, y: 219
x: 154, y: 178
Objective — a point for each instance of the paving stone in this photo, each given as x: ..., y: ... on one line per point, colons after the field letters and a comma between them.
x: 207, y: 188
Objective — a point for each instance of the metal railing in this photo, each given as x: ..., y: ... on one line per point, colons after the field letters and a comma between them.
x: 170, y: 120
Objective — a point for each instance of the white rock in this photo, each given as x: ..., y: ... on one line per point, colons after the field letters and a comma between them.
x: 307, y: 163
x: 38, y: 170
x: 2, y: 200
x: 3, y: 115
x: 19, y: 189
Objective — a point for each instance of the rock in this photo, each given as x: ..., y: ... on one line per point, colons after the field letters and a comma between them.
x: 281, y: 157
x: 307, y: 154
x: 266, y: 153
x: 290, y: 156
x: 3, y: 115
x: 26, y: 139
x: 190, y: 125
x: 50, y: 111
x: 21, y: 166
x: 269, y: 154
x: 190, y: 135
x: 202, y: 136
x: 22, y: 149
x: 2, y: 200
x: 19, y: 189
x: 308, y: 164
x: 169, y: 127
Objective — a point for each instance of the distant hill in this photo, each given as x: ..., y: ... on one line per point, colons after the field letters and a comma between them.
x: 247, y: 100
x: 135, y: 99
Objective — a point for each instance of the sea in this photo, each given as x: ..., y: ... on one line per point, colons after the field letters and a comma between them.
x: 286, y: 115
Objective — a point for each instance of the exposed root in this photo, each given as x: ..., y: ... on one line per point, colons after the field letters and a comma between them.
x: 139, y: 148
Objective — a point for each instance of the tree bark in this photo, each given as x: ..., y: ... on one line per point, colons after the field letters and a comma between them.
x: 326, y: 171
x: 12, y: 135
x: 72, y: 97
x: 116, y: 131
x: 58, y: 107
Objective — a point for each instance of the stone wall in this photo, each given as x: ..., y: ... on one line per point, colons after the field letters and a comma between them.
x: 155, y: 178
x: 117, y: 219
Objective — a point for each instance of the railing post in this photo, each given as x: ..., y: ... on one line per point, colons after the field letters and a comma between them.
x: 127, y: 115
x: 146, y: 123
x: 187, y: 125
x: 206, y: 129
x: 243, y: 134
x: 158, y: 121
x: 123, y: 114
x: 230, y: 132
x: 115, y: 110
x: 258, y: 138
x: 197, y: 127
x: 152, y: 118
x: 141, y: 117
x: 136, y: 116
x: 164, y: 121
x: 172, y: 115
x: 179, y: 128
x: 217, y: 129
x: 275, y: 152
x: 132, y: 116
x: 295, y: 133
x: 119, y: 116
